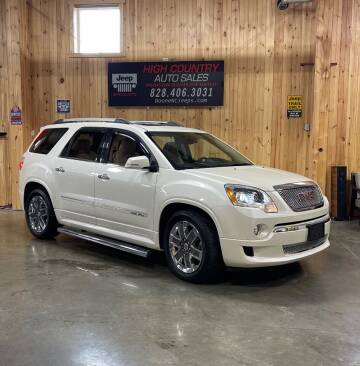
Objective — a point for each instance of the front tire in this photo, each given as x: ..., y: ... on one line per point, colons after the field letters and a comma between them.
x: 40, y: 215
x: 192, y: 247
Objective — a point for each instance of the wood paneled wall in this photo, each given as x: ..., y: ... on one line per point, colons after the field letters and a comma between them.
x: 311, y: 49
x: 4, y: 164
x: 14, y: 90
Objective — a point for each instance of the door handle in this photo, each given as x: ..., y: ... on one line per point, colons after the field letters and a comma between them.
x: 60, y: 169
x: 103, y: 176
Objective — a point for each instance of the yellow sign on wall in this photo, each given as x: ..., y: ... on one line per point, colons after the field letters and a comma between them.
x: 294, y: 108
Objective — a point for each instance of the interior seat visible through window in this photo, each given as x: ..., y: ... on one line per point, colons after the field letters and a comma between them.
x: 85, y: 145
x: 83, y: 150
x: 122, y: 148
x: 172, y: 153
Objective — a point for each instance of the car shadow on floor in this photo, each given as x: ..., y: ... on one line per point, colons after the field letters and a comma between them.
x: 266, y: 276
x: 249, y: 276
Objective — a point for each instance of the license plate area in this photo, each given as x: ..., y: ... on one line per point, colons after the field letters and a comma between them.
x: 316, y: 231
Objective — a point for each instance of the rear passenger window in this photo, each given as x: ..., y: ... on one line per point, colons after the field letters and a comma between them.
x: 84, y: 146
x: 46, y: 140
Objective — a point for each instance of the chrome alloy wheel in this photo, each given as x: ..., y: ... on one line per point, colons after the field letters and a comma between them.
x: 185, y: 246
x: 38, y: 214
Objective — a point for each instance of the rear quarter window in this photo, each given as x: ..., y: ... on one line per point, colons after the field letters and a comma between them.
x: 46, y: 140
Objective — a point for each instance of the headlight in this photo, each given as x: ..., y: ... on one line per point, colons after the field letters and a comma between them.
x: 250, y: 197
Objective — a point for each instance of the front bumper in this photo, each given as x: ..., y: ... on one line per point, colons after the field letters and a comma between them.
x: 275, y: 248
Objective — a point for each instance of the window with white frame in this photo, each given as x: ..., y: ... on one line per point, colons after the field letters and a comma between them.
x: 97, y: 29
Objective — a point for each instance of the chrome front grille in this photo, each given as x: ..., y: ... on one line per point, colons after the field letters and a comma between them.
x: 301, y: 196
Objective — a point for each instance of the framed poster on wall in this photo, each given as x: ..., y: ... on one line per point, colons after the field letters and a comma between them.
x: 62, y: 105
x: 294, y: 109
x: 180, y: 83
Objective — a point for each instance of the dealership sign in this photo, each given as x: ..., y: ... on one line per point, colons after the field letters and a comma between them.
x: 182, y: 83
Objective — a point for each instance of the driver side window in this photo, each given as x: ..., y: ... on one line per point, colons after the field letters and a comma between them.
x: 122, y: 148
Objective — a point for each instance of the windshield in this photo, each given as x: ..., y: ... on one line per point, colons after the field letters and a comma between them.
x: 193, y: 150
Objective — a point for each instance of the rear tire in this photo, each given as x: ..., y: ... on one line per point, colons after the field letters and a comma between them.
x: 40, y: 215
x: 192, y: 249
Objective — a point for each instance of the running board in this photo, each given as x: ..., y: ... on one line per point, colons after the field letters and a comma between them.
x: 112, y: 243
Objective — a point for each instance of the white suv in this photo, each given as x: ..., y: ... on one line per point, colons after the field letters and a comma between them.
x: 145, y: 185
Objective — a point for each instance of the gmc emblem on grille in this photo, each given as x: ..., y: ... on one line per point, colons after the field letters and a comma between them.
x: 306, y: 196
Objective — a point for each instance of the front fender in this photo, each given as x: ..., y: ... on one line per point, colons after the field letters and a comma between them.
x: 175, y: 187
x: 189, y: 202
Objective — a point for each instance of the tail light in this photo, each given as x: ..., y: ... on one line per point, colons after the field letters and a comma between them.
x: 21, y: 163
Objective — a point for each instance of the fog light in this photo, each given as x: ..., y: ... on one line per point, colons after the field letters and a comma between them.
x: 260, y: 230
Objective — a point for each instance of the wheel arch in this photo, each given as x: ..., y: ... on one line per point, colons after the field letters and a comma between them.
x: 172, y: 207
x: 31, y: 185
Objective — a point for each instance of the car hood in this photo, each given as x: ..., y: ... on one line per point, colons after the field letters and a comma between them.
x: 252, y: 175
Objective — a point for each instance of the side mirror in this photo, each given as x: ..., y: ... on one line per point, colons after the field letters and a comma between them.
x: 138, y: 162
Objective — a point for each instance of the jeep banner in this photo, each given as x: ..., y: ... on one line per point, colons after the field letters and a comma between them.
x: 181, y: 83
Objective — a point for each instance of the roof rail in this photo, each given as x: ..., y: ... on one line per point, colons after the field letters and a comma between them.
x: 122, y: 120
x: 174, y: 123
x: 79, y: 120
x: 157, y: 123
x: 118, y: 120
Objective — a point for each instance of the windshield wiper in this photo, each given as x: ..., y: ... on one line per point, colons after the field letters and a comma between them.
x: 240, y: 164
